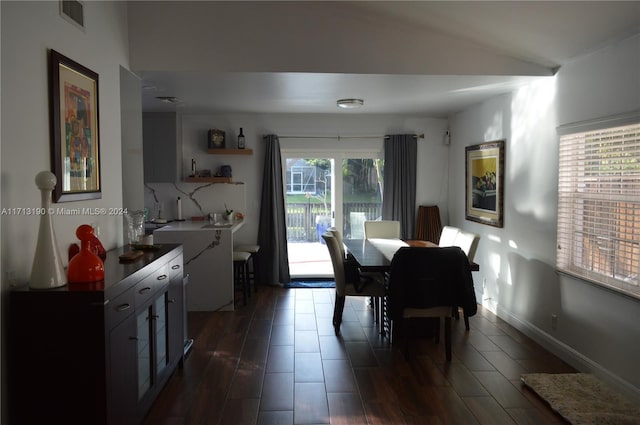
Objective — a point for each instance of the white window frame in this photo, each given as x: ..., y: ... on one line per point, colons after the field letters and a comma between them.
x: 599, y: 202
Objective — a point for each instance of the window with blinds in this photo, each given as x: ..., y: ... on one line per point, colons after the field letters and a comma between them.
x: 599, y: 206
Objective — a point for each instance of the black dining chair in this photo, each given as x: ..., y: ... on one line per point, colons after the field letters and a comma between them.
x: 356, y: 285
x: 428, y: 283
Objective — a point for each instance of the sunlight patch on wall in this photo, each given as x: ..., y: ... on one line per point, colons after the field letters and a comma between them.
x: 532, y: 160
x: 494, y: 264
x: 508, y: 275
x: 513, y: 244
x: 495, y: 130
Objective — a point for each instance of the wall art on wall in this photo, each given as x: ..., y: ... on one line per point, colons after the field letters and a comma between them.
x: 216, y: 139
x: 75, y: 139
x: 484, y: 181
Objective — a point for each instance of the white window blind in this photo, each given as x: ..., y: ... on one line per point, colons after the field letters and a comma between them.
x: 599, y: 206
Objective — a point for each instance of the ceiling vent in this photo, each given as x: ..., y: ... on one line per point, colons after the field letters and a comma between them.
x: 73, y: 11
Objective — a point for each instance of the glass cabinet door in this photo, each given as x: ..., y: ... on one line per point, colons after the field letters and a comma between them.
x: 144, y: 351
x: 160, y: 307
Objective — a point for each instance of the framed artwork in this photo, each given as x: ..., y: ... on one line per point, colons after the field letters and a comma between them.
x: 484, y: 183
x: 75, y: 139
x: 216, y: 139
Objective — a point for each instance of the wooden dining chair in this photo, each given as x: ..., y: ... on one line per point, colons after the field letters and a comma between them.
x: 362, y: 286
x: 382, y: 229
x: 428, y: 283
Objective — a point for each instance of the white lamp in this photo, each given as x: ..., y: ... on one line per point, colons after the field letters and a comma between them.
x: 47, y: 271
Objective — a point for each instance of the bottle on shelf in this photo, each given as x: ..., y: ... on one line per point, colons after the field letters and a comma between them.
x: 241, y: 144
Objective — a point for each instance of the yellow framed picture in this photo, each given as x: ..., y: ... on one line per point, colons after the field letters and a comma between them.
x: 484, y: 177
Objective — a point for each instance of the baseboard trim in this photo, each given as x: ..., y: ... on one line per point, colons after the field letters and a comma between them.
x: 570, y: 355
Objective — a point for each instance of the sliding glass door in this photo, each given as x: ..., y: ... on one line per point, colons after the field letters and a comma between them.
x: 361, y: 194
x: 324, y: 190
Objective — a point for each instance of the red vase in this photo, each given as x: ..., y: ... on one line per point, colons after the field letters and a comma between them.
x: 85, y: 267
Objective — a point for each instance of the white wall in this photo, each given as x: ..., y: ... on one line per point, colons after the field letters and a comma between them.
x: 25, y: 116
x: 28, y: 30
x: 432, y: 155
x: 597, y: 329
x: 132, y: 150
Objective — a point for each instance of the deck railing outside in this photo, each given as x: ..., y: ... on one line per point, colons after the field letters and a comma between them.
x: 307, y: 221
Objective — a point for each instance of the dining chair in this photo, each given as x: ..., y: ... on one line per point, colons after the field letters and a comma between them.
x: 428, y: 283
x: 382, y: 229
x: 468, y: 242
x: 367, y: 286
x: 448, y: 236
x: 336, y: 233
x: 374, y: 302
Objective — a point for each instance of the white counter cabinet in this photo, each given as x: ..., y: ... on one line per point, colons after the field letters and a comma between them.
x: 208, y: 260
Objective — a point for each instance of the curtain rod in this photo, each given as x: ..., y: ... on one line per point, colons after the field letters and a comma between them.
x: 371, y: 136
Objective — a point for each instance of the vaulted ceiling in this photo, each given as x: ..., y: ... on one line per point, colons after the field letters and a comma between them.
x: 422, y: 57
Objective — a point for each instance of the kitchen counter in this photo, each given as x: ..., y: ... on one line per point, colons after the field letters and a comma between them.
x: 208, y: 260
x: 189, y: 225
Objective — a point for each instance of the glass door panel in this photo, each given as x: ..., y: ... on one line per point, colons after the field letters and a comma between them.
x: 309, y: 213
x: 361, y: 194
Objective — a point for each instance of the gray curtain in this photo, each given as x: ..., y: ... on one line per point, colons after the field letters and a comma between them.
x: 272, y: 230
x: 399, y: 187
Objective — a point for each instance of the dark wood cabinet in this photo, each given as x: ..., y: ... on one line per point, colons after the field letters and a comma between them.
x: 99, y: 353
x: 123, y: 395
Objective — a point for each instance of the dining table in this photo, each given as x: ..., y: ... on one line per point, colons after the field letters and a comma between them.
x: 375, y: 255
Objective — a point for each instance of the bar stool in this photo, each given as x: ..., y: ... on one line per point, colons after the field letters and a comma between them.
x: 253, y: 270
x: 240, y: 273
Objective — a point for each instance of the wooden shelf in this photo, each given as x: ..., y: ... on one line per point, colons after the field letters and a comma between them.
x: 208, y: 180
x: 230, y: 151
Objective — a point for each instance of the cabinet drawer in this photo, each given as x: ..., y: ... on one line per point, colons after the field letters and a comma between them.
x: 144, y: 290
x: 118, y: 308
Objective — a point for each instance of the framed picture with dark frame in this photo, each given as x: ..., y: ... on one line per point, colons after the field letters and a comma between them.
x: 484, y: 183
x: 75, y: 137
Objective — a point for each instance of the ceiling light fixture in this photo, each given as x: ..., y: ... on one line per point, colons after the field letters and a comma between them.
x: 350, y: 103
x: 168, y: 99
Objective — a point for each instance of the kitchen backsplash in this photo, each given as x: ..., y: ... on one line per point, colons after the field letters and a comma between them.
x: 197, y: 199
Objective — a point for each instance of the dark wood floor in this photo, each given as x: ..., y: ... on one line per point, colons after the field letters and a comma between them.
x: 278, y: 361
